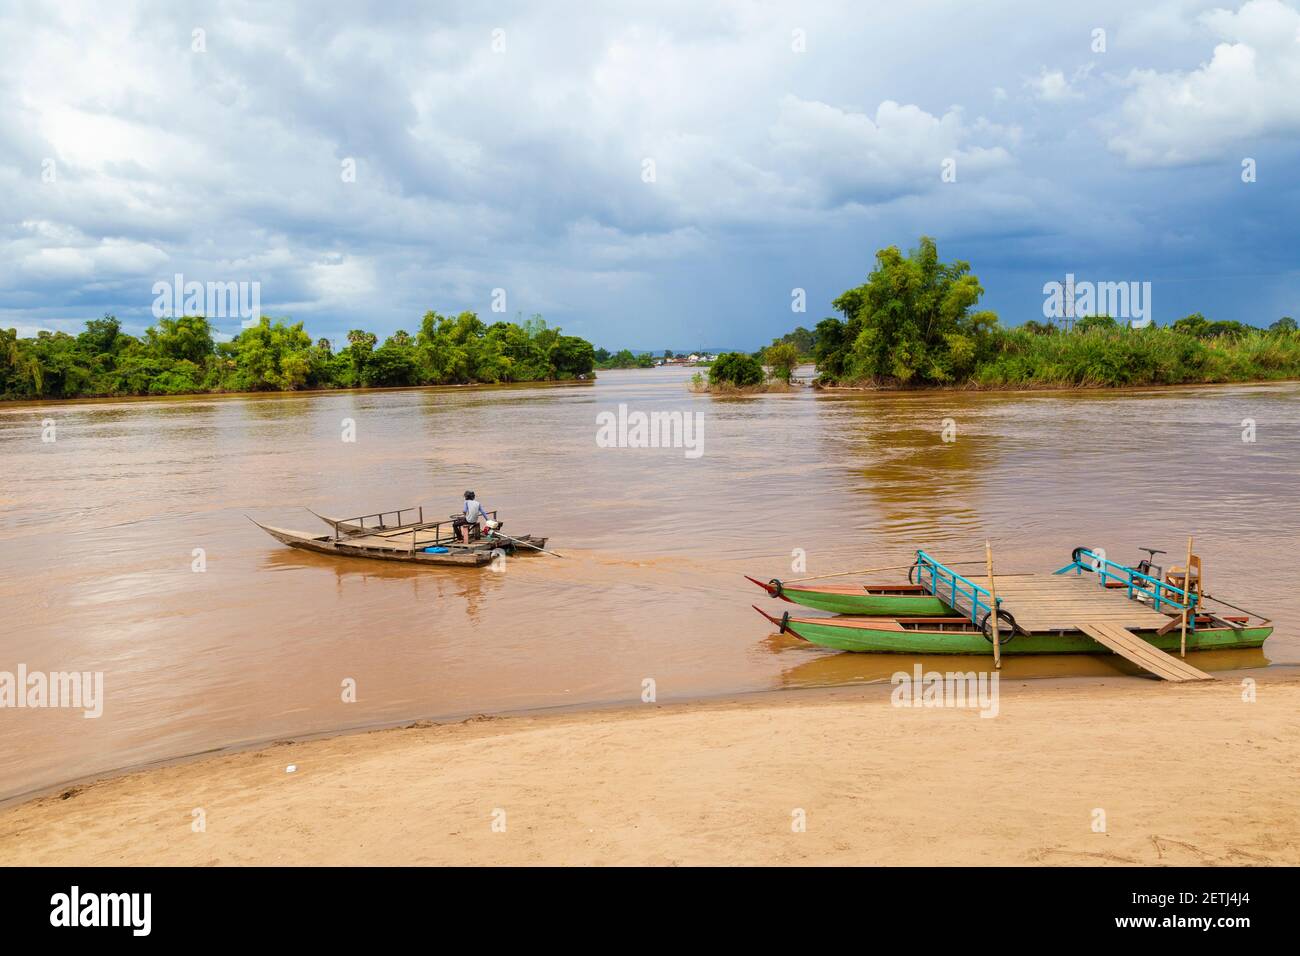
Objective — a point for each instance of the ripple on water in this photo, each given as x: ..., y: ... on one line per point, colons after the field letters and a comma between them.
x: 100, y: 533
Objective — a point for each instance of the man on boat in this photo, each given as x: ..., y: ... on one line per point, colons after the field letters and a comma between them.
x: 471, y: 514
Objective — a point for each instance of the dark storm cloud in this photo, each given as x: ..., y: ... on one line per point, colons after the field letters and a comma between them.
x: 510, y: 147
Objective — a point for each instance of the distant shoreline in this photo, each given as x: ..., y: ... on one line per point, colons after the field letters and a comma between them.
x: 973, y: 387
x: 288, y: 393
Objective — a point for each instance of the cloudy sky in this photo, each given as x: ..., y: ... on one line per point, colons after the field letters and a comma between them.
x: 660, y: 175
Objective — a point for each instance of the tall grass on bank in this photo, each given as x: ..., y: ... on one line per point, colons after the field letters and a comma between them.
x: 1127, y: 357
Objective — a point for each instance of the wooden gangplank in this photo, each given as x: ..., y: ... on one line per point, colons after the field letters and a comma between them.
x: 1131, y: 647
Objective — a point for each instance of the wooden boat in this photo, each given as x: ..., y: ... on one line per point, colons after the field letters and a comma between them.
x: 878, y: 600
x: 444, y: 535
x: 956, y: 635
x: 417, y: 542
x: 1122, y: 610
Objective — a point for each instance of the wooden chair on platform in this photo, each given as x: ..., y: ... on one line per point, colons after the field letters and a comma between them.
x: 1176, y: 576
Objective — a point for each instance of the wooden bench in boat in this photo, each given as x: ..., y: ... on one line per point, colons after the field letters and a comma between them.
x: 398, y: 541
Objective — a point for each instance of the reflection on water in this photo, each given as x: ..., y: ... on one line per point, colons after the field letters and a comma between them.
x: 99, y: 531
x: 898, y: 456
x: 819, y: 669
x: 467, y: 585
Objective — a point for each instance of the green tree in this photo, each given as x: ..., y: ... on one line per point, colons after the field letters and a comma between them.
x: 736, y: 368
x: 1090, y: 322
x: 360, y: 346
x: 831, y: 348
x: 448, y: 346
x: 272, y: 355
x: 1229, y: 329
x: 1194, y: 324
x: 57, y: 367
x: 526, y: 348
x: 1034, y: 327
x: 781, y: 358
x: 912, y: 321
x: 1284, y: 324
x: 392, y: 364
x: 187, y: 338
x: 1201, y: 327
x: 14, y: 381
x: 180, y: 356
x: 572, y: 356
x: 623, y: 359
x: 102, y: 336
x: 803, y: 340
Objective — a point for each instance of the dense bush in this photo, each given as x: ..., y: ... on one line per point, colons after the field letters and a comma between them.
x: 178, y: 356
x: 781, y: 358
x: 624, y: 358
x: 1150, y: 356
x: 736, y: 369
x: 912, y: 324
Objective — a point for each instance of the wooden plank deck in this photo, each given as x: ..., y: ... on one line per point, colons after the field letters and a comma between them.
x: 1052, y: 602
x: 1144, y: 655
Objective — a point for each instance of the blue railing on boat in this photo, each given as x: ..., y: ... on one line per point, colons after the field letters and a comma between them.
x: 1161, y: 594
x: 953, y: 589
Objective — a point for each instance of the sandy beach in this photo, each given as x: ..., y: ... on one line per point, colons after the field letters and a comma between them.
x: 1187, y: 774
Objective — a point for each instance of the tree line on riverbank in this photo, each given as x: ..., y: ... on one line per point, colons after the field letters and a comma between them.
x: 181, y: 356
x: 914, y: 323
x: 624, y: 358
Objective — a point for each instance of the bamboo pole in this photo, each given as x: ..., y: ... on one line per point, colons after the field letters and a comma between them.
x: 1187, y: 596
x: 993, y: 605
x: 894, y: 567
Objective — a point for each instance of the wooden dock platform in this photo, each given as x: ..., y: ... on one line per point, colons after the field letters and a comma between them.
x: 1107, y: 615
x: 1054, y: 602
x: 1107, y: 603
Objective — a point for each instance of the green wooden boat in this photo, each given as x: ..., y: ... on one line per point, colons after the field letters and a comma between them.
x: 957, y: 635
x: 879, y: 600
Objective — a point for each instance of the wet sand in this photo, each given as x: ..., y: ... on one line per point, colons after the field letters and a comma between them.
x: 1186, y: 775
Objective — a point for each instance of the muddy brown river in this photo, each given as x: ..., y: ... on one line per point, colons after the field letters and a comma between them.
x: 125, y: 550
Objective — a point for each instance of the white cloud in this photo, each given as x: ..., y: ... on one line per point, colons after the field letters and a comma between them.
x: 836, y: 155
x: 522, y: 169
x: 1249, y: 88
x: 343, y: 279
x: 58, y: 252
x: 1052, y: 86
